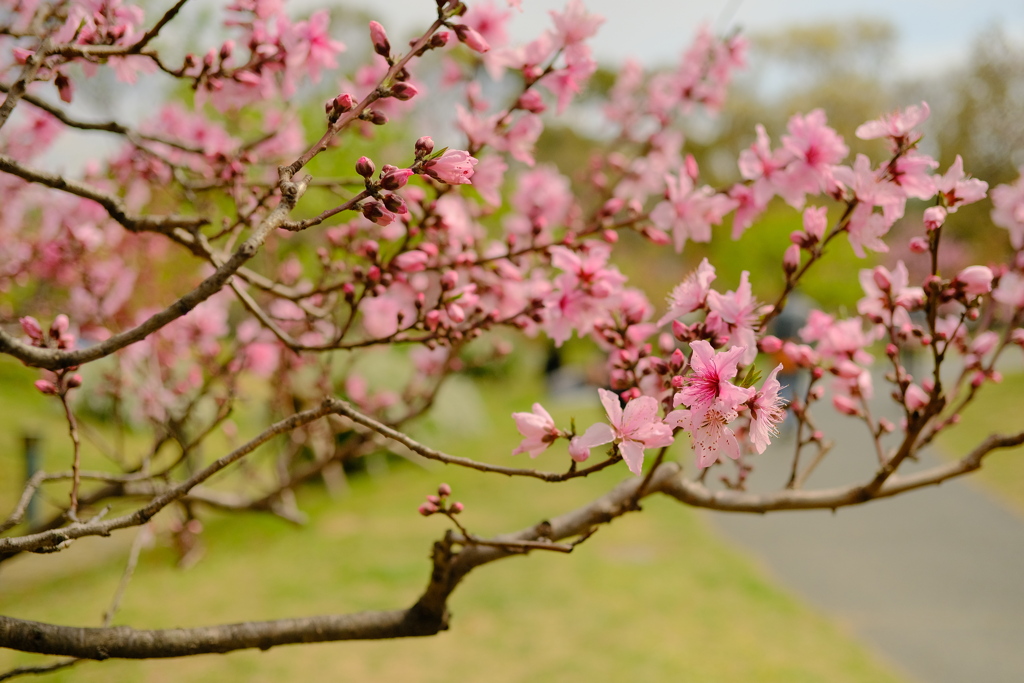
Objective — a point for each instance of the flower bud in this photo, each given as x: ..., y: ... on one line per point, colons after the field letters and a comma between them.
x: 791, y: 259
x: 394, y: 180
x: 770, y: 344
x: 31, y: 327
x: 976, y: 280
x: 918, y: 245
x: 532, y: 102
x: 379, y: 37
x: 470, y: 38
x: 365, y: 167
x: 934, y: 217
x: 427, y: 509
x: 444, y: 490
x: 457, y: 507
x: 424, y: 146
x: 404, y: 91
x: 60, y: 326
x: 46, y: 386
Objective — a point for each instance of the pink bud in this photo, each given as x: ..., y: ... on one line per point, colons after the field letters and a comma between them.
x: 343, y: 103
x: 427, y: 509
x: 934, y: 217
x: 691, y: 167
x: 577, y: 451
x: 449, y: 280
x: 531, y: 101
x: 395, y: 179
x: 424, y: 146
x: 791, y: 259
x: 31, y: 327
x: 379, y: 37
x: 881, y: 278
x: 60, y: 326
x: 770, y: 344
x: 457, y: 507
x: 433, y: 500
x: 471, y: 38
x: 365, y: 167
x: 886, y: 425
x: 845, y: 405
x: 404, y: 91
x: 977, y: 280
x: 444, y: 490
x: 918, y: 245
x: 74, y: 381
x: 46, y: 386
x: 915, y: 398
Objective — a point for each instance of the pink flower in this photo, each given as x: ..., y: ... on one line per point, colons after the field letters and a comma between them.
x: 454, y: 167
x: 958, y: 189
x: 690, y: 211
x: 633, y: 429
x: 709, y: 431
x: 575, y: 24
x: 897, y: 126
x: 915, y: 398
x: 473, y: 40
x: 735, y: 311
x: 816, y: 148
x: 711, y: 379
x: 976, y: 280
x: 538, y: 429
x: 1010, y: 290
x: 1008, y: 209
x: 934, y: 217
x: 766, y: 411
x: 691, y: 293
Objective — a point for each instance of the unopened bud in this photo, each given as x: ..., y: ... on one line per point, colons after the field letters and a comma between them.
x: 470, y: 38
x: 424, y: 146
x: 379, y: 37
x: 365, y: 167
x: 403, y: 91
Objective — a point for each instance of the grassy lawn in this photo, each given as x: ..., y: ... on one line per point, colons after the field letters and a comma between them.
x: 655, y: 596
x: 996, y: 410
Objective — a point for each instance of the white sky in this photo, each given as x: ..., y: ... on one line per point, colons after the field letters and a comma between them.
x: 931, y: 32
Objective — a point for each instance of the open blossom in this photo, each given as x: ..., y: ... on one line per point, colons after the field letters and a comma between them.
x: 976, y: 280
x: 691, y: 293
x: 733, y: 314
x: 633, y: 429
x: 454, y: 167
x: 767, y: 409
x: 1008, y: 209
x: 712, y: 378
x: 897, y: 126
x: 538, y: 430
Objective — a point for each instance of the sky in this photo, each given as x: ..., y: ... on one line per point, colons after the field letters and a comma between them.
x: 932, y: 33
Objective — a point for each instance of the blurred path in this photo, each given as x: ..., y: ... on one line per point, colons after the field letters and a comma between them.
x: 932, y: 580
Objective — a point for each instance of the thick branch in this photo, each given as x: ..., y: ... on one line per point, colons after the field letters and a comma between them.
x: 696, y: 494
x: 128, y: 643
x: 427, y: 617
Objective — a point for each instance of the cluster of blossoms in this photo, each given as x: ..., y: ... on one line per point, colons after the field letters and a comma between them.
x: 419, y: 252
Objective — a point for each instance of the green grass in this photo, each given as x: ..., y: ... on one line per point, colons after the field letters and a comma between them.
x: 996, y: 410
x: 654, y: 596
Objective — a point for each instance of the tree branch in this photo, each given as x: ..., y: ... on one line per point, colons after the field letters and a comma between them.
x: 54, y: 359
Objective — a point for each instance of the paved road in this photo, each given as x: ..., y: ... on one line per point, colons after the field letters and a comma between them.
x: 932, y: 580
